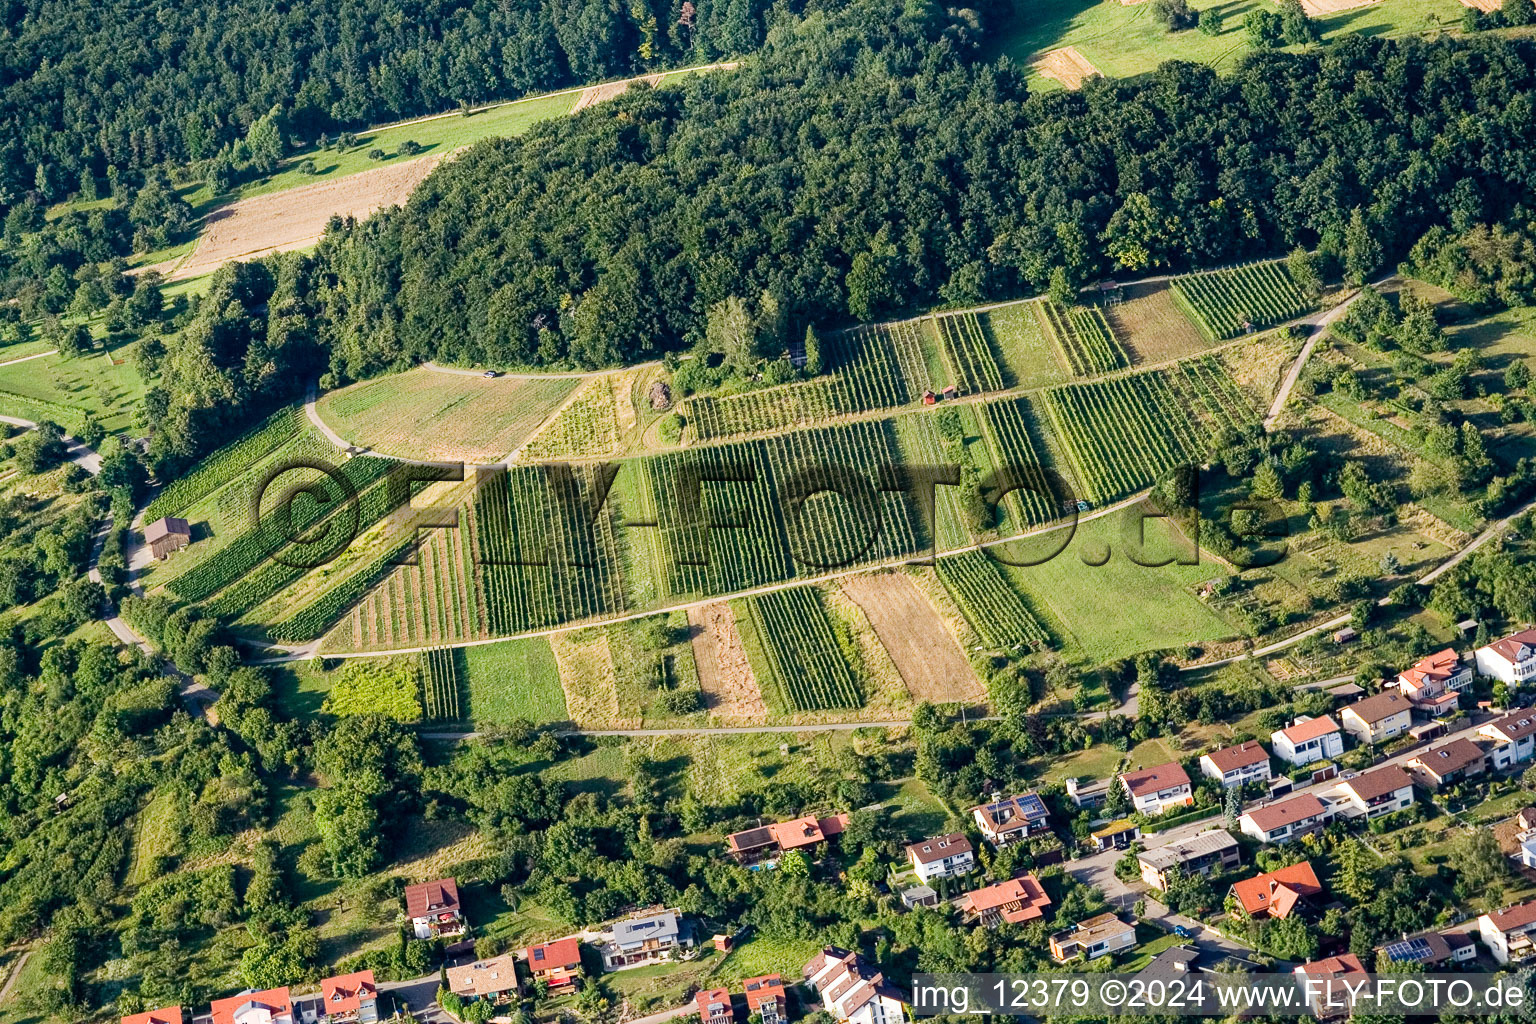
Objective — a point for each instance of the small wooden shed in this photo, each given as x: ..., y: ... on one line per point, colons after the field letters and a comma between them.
x: 167, y: 535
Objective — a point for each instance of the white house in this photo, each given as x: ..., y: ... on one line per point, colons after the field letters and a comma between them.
x: 1511, y: 660
x: 1378, y: 718
x: 645, y: 939
x: 1527, y: 841
x: 1018, y: 817
x: 1508, y: 933
x: 942, y: 857
x: 1208, y: 853
x: 1513, y: 739
x: 851, y: 990
x: 1286, y: 819
x: 1310, y: 739
x: 1097, y: 936
x: 1234, y: 766
x: 1156, y: 789
x: 1373, y: 794
x: 1434, y: 683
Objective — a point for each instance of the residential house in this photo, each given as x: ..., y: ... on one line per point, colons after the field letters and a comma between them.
x: 1234, y: 766
x: 1513, y: 739
x: 645, y: 939
x: 1434, y: 683
x: 1087, y: 796
x: 1173, y: 962
x: 1527, y: 852
x: 1098, y: 936
x: 167, y: 535
x: 1309, y: 739
x: 1278, y: 894
x: 1378, y: 718
x: 557, y: 964
x: 434, y: 909
x: 1117, y: 835
x: 919, y: 896
x: 942, y: 857
x: 1510, y: 934
x: 1431, y: 949
x: 852, y: 991
x: 163, y: 1015
x: 1205, y: 854
x: 1016, y: 901
x: 1326, y: 984
x: 269, y: 1006
x: 765, y: 997
x: 1452, y: 762
x: 1511, y: 660
x: 1286, y: 819
x: 1373, y: 793
x: 1006, y: 821
x: 1526, y: 819
x: 494, y: 979
x: 769, y: 842
x: 1156, y: 789
x: 714, y: 1006
x: 349, y: 999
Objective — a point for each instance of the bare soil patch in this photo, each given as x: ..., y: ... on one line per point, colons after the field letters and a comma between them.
x: 1066, y: 65
x: 925, y: 652
x: 725, y: 675
x: 1152, y: 327
x: 599, y: 93
x: 1323, y: 8
x: 297, y: 217
x: 1486, y: 6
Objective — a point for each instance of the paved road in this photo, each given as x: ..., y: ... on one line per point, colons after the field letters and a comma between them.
x: 35, y: 355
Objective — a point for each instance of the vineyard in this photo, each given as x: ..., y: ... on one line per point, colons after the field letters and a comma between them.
x: 314, y: 619
x: 587, y: 428
x: 807, y: 661
x: 1227, y: 303
x: 990, y: 603
x: 434, y: 601
x: 227, y: 463
x: 1006, y: 428
x: 872, y: 367
x: 970, y: 353
x: 1205, y: 386
x: 440, y: 686
x: 1121, y: 434
x: 1084, y: 338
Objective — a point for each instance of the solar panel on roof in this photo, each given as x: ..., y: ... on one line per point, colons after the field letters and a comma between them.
x: 1411, y: 951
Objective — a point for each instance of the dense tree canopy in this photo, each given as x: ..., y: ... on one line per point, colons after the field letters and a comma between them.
x: 865, y: 162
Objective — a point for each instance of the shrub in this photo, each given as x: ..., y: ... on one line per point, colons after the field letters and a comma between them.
x: 410, y: 147
x: 1210, y: 22
x: 309, y: 167
x: 375, y: 154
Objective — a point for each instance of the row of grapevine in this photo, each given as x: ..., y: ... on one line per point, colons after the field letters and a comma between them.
x: 1206, y: 387
x: 970, y: 353
x: 314, y: 619
x: 1084, y: 336
x: 227, y: 463
x: 990, y: 603
x: 440, y: 685
x: 867, y: 368
x: 1226, y: 303
x: 250, y: 551
x: 587, y: 428
x: 1021, y: 461
x: 812, y: 671
x: 1123, y: 433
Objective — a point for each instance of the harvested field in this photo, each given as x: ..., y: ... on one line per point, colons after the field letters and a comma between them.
x: 725, y: 675
x: 587, y: 677
x: 1151, y: 326
x: 1323, y: 8
x: 1486, y: 6
x: 297, y: 217
x: 925, y: 652
x: 599, y: 93
x: 1066, y: 65
x: 421, y: 414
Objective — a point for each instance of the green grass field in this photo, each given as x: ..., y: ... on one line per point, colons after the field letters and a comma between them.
x: 1123, y: 41
x: 68, y: 390
x: 1025, y: 350
x: 516, y: 679
x: 1119, y: 608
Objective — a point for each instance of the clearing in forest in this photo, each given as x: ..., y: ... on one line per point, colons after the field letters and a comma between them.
x: 1151, y: 326
x: 608, y: 90
x: 424, y: 414
x: 297, y: 217
x: 925, y: 652
x: 1066, y: 65
x: 725, y: 674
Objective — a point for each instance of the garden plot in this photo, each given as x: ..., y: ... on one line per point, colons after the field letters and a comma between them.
x: 725, y: 674
x: 1151, y: 326
x: 925, y: 652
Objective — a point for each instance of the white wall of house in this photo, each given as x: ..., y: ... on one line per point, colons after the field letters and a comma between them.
x: 1157, y: 803
x: 1492, y: 663
x: 1375, y: 732
x: 1238, y: 776
x: 948, y: 867
x: 1325, y: 747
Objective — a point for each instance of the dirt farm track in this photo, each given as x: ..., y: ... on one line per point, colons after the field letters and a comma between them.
x: 295, y: 218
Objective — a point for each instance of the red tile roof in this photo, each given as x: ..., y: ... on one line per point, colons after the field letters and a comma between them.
x: 1380, y: 707
x: 1436, y: 668
x: 163, y: 1015
x: 1509, y: 647
x: 345, y: 993
x: 431, y: 898
x: 1155, y: 779
x: 1277, y: 892
x: 1017, y: 900
x: 768, y: 988
x: 564, y: 952
x: 1287, y: 812
x: 1230, y: 759
x: 1380, y: 782
x: 1333, y: 966
x: 274, y: 1000
x: 1510, y: 918
x: 808, y: 830
x: 939, y: 847
x: 713, y: 1002
x: 1311, y: 729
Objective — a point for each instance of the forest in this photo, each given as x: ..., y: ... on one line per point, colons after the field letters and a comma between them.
x: 866, y: 162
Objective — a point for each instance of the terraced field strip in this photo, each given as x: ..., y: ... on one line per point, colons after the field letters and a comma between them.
x: 1033, y: 503
x: 1206, y: 387
x: 1230, y: 302
x: 440, y: 685
x: 228, y: 462
x: 1085, y: 337
x: 810, y: 667
x: 923, y: 650
x: 970, y: 353
x: 995, y: 610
